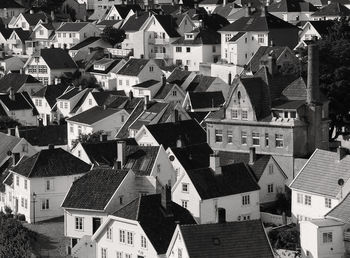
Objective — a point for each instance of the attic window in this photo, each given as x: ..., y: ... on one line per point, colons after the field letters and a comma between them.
x: 99, y: 67
x: 239, y: 95
x: 189, y: 36
x: 216, y: 241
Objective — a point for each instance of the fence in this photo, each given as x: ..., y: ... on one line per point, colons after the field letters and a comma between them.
x: 275, y: 219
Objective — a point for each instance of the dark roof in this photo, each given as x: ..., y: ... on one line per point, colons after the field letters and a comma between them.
x: 198, y: 116
x: 34, y: 18
x: 85, y: 43
x: 287, y: 104
x: 93, y: 115
x: 70, y: 93
x: 56, y: 58
x: 146, y: 84
x: 50, y: 93
x: 237, y: 36
x: 257, y: 22
x: 202, y: 37
x: 6, y: 32
x: 51, y: 162
x: 135, y: 22
x: 16, y: 81
x: 7, y: 142
x: 154, y: 219
x: 178, y: 76
x: 193, y: 156
x: 167, y: 134
x: 44, y: 135
x: 124, y: 10
x: 21, y: 101
x: 242, y: 239
x: 10, y: 4
x: 200, y: 83
x: 291, y: 6
x: 22, y: 34
x: 133, y: 67
x: 341, y: 211
x: 94, y: 190
x: 72, y: 26
x: 109, y: 97
x: 208, y: 99
x: 110, y: 63
x: 141, y: 159
x: 169, y: 25
x: 226, y: 10
x: 234, y: 179
x: 333, y: 9
x: 164, y: 91
x: 108, y: 22
x: 322, y: 27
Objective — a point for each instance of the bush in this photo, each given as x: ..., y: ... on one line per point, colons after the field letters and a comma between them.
x: 21, y: 217
x: 285, y: 238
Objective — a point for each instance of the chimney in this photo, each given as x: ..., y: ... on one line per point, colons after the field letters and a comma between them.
x: 12, y: 94
x: 146, y: 100
x: 341, y: 153
x: 247, y: 10
x: 229, y: 78
x: 131, y: 94
x: 221, y: 215
x: 224, y: 2
x: 163, y: 80
x: 313, y: 89
x: 166, y: 199
x: 179, y: 142
x: 11, y: 131
x: 195, y: 4
x: 271, y: 64
x: 214, y: 163
x: 263, y: 11
x: 31, y: 11
x: 252, y: 155
x: 121, y: 146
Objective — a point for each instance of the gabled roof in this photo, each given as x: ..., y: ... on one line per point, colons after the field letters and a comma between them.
x: 154, y: 219
x: 6, y: 32
x: 341, y: 211
x: 164, y: 91
x: 85, y: 43
x: 208, y: 99
x: 109, y: 97
x: 146, y: 84
x: 133, y: 67
x: 70, y: 93
x: 56, y: 58
x: 169, y: 25
x: 49, y: 163
x: 242, y: 239
x: 20, y: 101
x: 124, y: 10
x: 291, y: 6
x: 234, y: 179
x: 107, y: 62
x: 16, y: 81
x: 178, y: 76
x: 167, y: 134
x: 322, y: 27
x: 333, y: 9
x: 7, y: 143
x: 200, y: 83
x: 22, y: 34
x: 94, y: 190
x: 72, y: 26
x: 135, y: 22
x: 50, y: 93
x: 93, y: 115
x: 44, y: 135
x: 34, y: 18
x: 141, y: 159
x: 296, y: 90
x: 321, y: 173
x: 257, y: 22
x: 202, y: 37
x: 226, y: 10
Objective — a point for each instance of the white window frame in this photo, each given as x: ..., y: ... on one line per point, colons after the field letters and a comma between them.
x: 183, y: 186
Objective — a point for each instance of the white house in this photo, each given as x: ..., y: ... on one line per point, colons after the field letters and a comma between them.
x: 16, y: 42
x: 108, y: 120
x: 69, y: 103
x: 27, y: 21
x: 138, y: 234
x: 41, y: 181
x: 72, y: 33
x: 205, y: 190
x: 170, y: 93
x: 41, y: 37
x: 203, y: 101
x: 121, y: 12
x: 315, y: 30
x: 320, y: 185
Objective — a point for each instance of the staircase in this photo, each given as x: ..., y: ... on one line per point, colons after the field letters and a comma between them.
x: 85, y: 248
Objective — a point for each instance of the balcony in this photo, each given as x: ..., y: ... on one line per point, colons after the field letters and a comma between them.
x: 159, y: 55
x: 158, y: 41
x: 120, y: 52
x: 347, y: 236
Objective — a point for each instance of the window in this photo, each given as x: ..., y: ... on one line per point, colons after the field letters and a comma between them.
x: 90, y: 102
x: 184, y: 203
x: 270, y: 169
x: 143, y: 242
x: 184, y: 187
x: 151, y: 68
x: 270, y: 188
x: 22, y: 202
x: 130, y: 238
x: 214, y: 49
x: 49, y: 185
x: 127, y: 81
x: 279, y: 140
x: 256, y: 139
x: 328, y: 202
x: 122, y: 236
x: 79, y: 223
x: 103, y: 252
x: 293, y: 114
x: 122, y: 118
x: 227, y: 37
x: 246, y: 217
x: 188, y: 62
x: 261, y: 38
x: 71, y: 129
x: 327, y: 237
x: 218, y: 135
x: 245, y: 200
x: 119, y: 255
x: 299, y: 198
x: 229, y: 137
x: 188, y: 49
x: 109, y: 233
x: 244, y: 138
x: 66, y: 105
x: 79, y: 153
x: 17, y: 180
x: 245, y: 40
x: 25, y: 203
x: 244, y: 114
x: 127, y: 255
x: 45, y: 204
x: 234, y: 113
x: 266, y: 140
x: 174, y: 93
x: 307, y: 200
x: 178, y: 49
x: 120, y: 82
x: 25, y: 184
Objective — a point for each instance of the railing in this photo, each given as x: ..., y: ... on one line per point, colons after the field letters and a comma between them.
x: 120, y: 52
x: 274, y: 219
x: 158, y: 41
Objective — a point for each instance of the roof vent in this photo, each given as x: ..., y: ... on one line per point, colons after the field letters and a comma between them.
x: 216, y: 241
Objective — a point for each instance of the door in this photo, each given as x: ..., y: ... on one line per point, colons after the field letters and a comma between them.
x: 96, y: 222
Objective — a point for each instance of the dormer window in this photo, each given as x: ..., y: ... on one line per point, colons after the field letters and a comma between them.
x: 99, y: 67
x: 189, y: 36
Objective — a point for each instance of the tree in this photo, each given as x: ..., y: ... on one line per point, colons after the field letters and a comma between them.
x: 88, y: 138
x: 113, y: 35
x: 78, y: 79
x: 7, y: 122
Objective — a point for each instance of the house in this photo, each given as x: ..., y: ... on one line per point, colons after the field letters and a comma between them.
x: 292, y: 11
x: 69, y: 103
x: 10, y: 64
x: 140, y: 222
x: 170, y: 93
x: 148, y: 88
x: 195, y: 47
x: 228, y: 10
x: 86, y: 45
x: 80, y: 10
x: 172, y: 134
x: 95, y: 119
x: 27, y: 21
x: 115, y: 99
x: 318, y: 189
x: 211, y: 5
x: 332, y: 11
x: 5, y: 33
x: 72, y: 33
x: 136, y: 71
x: 10, y: 8
x: 242, y: 38
x: 122, y: 12
x: 41, y: 182
x: 104, y: 70
x: 208, y: 240
x: 41, y: 37
x: 315, y: 30
x: 16, y: 42
x: 45, y: 101
x: 178, y: 76
x: 109, y: 23
x: 19, y: 107
x: 48, y: 64
x: 203, y: 101
x: 19, y: 83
